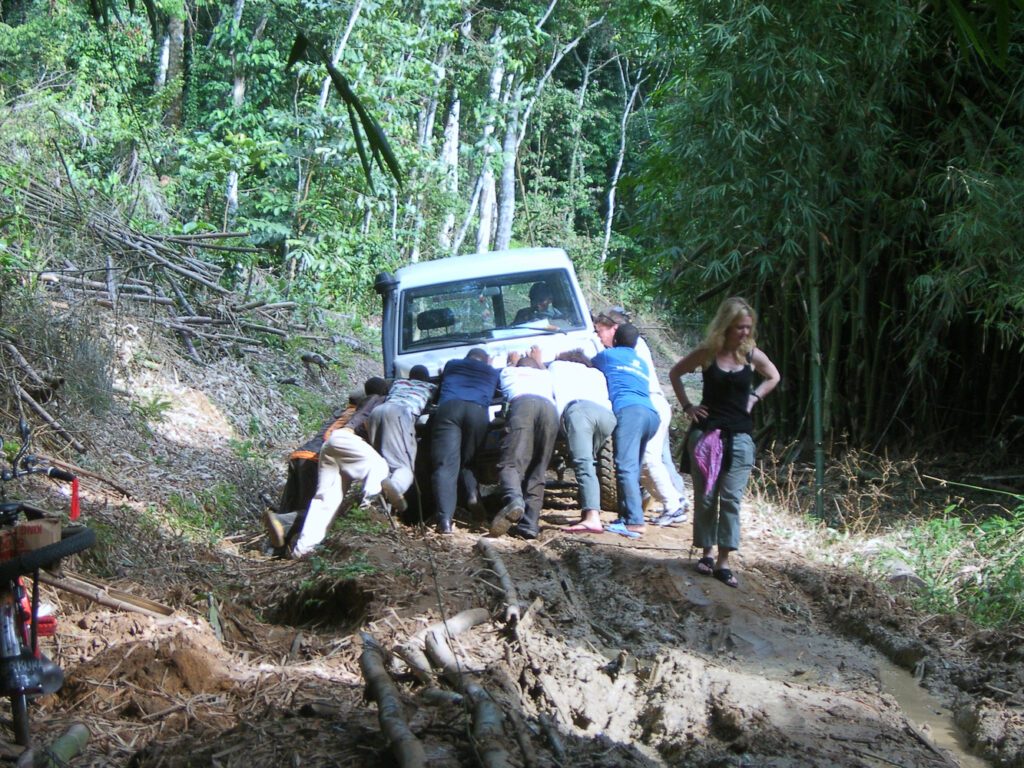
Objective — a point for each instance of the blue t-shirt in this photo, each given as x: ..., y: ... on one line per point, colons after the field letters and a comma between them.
x: 628, y: 377
x: 468, y: 379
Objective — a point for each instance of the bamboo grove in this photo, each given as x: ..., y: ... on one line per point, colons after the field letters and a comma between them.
x: 857, y: 173
x: 857, y: 170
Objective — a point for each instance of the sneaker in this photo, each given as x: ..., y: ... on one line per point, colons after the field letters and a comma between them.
x: 395, y: 497
x: 275, y: 529
x: 510, y: 514
x: 675, y: 517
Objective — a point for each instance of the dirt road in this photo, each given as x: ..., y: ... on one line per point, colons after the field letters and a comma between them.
x: 622, y: 656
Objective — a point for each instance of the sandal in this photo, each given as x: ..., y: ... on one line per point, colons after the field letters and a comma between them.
x: 725, y: 576
x: 706, y: 566
x: 623, y: 530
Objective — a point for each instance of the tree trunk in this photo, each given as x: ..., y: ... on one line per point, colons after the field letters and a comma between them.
x: 815, y: 330
x: 163, y: 60
x: 171, y: 67
x: 485, y: 205
x: 629, y: 94
x: 577, y: 135
x: 450, y: 164
x: 507, y: 189
x: 237, y: 101
x: 515, y: 133
x: 429, y: 112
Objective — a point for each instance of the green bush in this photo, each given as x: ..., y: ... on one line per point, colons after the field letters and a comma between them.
x: 208, y: 514
x: 972, y: 568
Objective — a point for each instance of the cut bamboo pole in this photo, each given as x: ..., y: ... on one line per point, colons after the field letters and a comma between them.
x: 407, y: 749
x: 34, y: 378
x: 45, y: 416
x: 81, y: 472
x: 111, y: 598
x: 508, y: 586
x: 487, y: 716
x: 487, y: 730
x: 411, y: 651
x: 61, y: 752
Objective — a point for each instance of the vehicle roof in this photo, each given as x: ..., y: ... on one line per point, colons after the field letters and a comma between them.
x: 481, y: 265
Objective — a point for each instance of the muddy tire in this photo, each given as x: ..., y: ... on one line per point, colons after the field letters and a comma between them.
x: 606, y: 478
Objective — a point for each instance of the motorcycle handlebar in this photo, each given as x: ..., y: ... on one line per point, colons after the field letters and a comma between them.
x: 59, y: 474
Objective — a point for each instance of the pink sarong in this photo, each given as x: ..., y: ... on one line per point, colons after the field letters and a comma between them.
x: 708, y: 455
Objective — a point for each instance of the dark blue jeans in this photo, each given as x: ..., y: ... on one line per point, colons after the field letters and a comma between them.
x: 458, y: 429
x: 635, y: 425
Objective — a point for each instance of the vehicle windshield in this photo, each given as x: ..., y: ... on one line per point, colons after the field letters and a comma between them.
x: 498, y: 307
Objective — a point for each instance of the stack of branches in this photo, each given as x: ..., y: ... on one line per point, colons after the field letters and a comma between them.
x: 94, y: 256
x: 168, y: 271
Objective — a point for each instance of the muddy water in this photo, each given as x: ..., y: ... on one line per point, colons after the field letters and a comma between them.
x: 781, y: 650
x: 928, y: 712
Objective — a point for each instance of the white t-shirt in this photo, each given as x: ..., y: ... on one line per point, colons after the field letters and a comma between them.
x: 644, y: 353
x: 575, y: 381
x: 516, y: 381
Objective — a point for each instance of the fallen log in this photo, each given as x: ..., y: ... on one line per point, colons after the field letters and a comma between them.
x: 508, y: 586
x: 441, y: 696
x: 523, y: 734
x: 418, y: 663
x: 441, y: 656
x: 554, y: 739
x: 407, y: 749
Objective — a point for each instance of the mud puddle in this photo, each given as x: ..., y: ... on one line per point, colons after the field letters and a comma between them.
x: 928, y: 713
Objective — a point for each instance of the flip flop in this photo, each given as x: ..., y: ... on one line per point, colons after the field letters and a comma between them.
x: 622, y: 530
x: 581, y: 529
x: 706, y: 566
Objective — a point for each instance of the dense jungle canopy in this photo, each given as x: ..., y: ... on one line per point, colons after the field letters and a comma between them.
x: 855, y: 169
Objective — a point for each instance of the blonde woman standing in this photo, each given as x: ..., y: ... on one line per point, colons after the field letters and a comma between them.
x: 728, y: 358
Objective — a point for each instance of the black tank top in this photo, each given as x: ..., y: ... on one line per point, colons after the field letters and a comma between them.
x: 725, y: 396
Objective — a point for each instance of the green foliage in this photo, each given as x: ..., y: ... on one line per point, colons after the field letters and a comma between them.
x: 207, y: 515
x: 972, y: 568
x: 360, y: 520
x: 791, y: 129
x: 312, y: 408
x: 153, y: 408
x: 355, y: 567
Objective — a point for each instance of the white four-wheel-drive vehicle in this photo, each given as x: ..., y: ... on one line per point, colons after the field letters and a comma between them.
x: 436, y: 311
x: 504, y: 301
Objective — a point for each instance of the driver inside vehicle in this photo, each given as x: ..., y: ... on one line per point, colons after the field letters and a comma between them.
x: 541, y: 306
